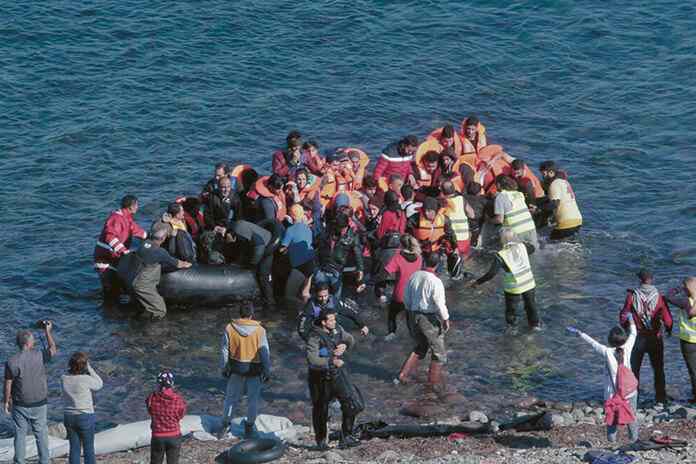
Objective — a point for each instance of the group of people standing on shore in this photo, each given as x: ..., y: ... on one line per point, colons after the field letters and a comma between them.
x: 318, y: 222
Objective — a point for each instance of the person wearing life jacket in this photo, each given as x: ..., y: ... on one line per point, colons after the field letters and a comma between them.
x: 193, y: 215
x: 427, y: 174
x: 312, y: 159
x: 369, y: 188
x: 527, y: 183
x: 409, y: 203
x: 179, y: 243
x: 323, y: 299
x: 359, y: 162
x: 561, y: 200
x: 518, y: 280
x: 270, y: 198
x: 286, y: 161
x: 337, y: 179
x: 397, y: 158
x: 432, y: 228
x: 459, y: 212
x: 115, y: 241
x: 245, y: 177
x: 335, y: 245
x: 298, y: 190
x: 473, y: 135
x: 685, y: 299
x: 510, y: 209
x: 649, y: 309
x: 221, y: 170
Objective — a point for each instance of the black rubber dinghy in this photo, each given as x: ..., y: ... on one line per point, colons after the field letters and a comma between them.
x: 206, y: 283
x: 254, y: 451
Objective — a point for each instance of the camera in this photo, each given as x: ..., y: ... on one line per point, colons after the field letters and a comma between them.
x: 41, y: 324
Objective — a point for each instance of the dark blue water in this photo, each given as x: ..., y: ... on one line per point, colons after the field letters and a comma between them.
x: 105, y: 98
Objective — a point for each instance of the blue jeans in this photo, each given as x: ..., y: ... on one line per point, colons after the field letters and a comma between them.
x: 333, y: 278
x: 23, y: 418
x: 80, y: 429
x: 237, y: 386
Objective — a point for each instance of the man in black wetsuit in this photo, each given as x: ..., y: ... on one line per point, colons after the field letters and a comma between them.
x: 326, y: 345
x: 321, y: 300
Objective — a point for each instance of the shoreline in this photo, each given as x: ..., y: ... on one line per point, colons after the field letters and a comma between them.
x: 561, y: 443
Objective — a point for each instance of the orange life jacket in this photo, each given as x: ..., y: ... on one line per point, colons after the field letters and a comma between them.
x: 494, y: 161
x: 431, y: 231
x: 358, y: 175
x: 262, y: 190
x: 536, y: 183
x: 337, y: 182
x: 468, y: 147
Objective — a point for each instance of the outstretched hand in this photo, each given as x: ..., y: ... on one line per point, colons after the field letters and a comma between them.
x: 572, y: 330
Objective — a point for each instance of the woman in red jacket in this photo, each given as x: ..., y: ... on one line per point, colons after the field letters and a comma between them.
x: 167, y: 408
x: 393, y: 217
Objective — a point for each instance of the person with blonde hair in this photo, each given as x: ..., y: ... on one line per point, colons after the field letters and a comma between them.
x: 685, y: 299
x: 518, y: 279
x: 402, y: 265
x: 297, y: 243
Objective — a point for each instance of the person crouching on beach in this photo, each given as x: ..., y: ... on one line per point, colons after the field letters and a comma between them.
x: 620, y: 385
x: 167, y: 408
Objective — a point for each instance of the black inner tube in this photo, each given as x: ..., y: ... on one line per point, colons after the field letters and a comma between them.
x: 254, y: 451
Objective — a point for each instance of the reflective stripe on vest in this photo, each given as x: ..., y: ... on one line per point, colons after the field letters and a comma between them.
x: 431, y: 231
x: 687, y: 327
x: 518, y: 218
x: 520, y: 278
x: 457, y: 216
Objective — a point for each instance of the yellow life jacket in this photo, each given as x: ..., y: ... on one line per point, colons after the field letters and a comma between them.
x: 519, y: 219
x: 520, y: 278
x: 687, y: 327
x: 457, y: 215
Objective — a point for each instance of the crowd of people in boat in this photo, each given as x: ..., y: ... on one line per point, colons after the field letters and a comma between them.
x: 317, y: 223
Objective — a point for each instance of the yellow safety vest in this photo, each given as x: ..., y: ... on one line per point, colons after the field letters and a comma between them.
x: 687, y: 327
x: 519, y: 219
x: 457, y: 215
x: 520, y: 278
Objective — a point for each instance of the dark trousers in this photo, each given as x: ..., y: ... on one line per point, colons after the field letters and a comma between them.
x: 324, y: 388
x: 654, y: 347
x: 560, y: 234
x: 263, y: 277
x: 394, y: 309
x: 80, y: 429
x: 171, y: 446
x: 111, y: 285
x: 513, y: 301
x: 689, y: 352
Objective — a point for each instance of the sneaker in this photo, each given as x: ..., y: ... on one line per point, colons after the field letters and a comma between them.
x: 390, y: 336
x: 348, y: 442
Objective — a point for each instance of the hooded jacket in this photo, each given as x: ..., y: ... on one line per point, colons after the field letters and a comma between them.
x: 321, y: 344
x: 313, y: 308
x: 649, y: 310
x: 167, y: 408
x: 245, y: 349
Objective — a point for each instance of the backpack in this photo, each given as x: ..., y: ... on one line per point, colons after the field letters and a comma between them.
x: 617, y: 409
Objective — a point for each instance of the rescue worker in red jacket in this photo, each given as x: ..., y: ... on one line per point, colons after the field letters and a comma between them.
x: 114, y: 241
x: 397, y: 158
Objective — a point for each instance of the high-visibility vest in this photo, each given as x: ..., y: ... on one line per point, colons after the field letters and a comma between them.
x: 519, y: 219
x: 687, y: 327
x: 520, y: 278
x: 457, y: 215
x: 431, y: 231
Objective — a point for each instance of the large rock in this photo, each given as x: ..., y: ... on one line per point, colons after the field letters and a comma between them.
x: 553, y: 420
x: 478, y: 416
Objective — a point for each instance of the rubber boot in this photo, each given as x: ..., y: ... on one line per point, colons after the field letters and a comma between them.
x: 436, y: 378
x: 410, y: 365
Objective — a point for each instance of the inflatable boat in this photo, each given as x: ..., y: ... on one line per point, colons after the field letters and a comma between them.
x: 205, y: 283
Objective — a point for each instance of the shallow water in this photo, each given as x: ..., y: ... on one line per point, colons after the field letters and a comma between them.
x: 111, y: 98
